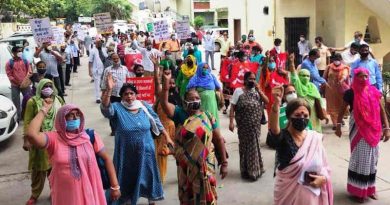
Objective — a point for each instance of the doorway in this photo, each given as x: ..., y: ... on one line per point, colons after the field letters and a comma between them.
x: 294, y: 27
x: 237, y: 30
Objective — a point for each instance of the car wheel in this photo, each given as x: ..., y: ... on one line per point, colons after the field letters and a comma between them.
x: 217, y: 47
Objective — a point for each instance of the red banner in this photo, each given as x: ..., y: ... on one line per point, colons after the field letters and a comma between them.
x: 130, y: 58
x: 145, y: 88
x: 281, y: 61
x: 238, y: 71
x: 225, y: 73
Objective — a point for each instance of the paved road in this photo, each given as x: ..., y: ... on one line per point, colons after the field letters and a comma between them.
x: 15, y: 183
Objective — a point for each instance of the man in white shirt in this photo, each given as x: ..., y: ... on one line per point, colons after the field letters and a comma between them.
x: 324, y: 59
x: 209, y: 46
x: 97, y: 56
x: 147, y: 53
x: 141, y: 39
x: 351, y: 55
x: 304, y: 47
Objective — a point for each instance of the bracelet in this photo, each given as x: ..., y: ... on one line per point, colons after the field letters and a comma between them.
x: 386, y: 129
x: 115, y: 188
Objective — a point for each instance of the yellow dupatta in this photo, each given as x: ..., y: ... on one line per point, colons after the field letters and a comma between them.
x: 189, y: 71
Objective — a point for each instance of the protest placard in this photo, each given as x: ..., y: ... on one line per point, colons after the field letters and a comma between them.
x: 145, y: 88
x: 238, y: 71
x: 183, y: 29
x: 161, y: 30
x: 130, y: 59
x: 149, y: 27
x: 281, y: 61
x: 58, y: 34
x: 41, y: 30
x: 80, y: 32
x: 103, y: 23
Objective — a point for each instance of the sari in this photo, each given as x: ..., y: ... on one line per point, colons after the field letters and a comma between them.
x: 365, y: 131
x: 184, y: 76
x: 289, y: 186
x: 337, y: 77
x: 196, y: 160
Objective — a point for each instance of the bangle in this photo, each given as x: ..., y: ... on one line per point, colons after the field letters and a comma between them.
x: 115, y: 188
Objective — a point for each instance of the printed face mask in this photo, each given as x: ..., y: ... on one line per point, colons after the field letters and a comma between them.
x: 192, y: 105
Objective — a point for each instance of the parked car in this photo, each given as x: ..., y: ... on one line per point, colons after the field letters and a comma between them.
x: 8, y: 118
x: 5, y: 84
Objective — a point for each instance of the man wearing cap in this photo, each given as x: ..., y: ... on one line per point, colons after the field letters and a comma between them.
x: 370, y: 64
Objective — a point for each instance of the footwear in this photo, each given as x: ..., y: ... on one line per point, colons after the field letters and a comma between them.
x: 98, y: 101
x: 31, y: 201
x: 343, y: 123
x: 65, y: 94
x: 214, y: 69
x: 68, y: 85
x: 334, y: 128
x: 112, y: 134
x: 224, y: 111
x: 262, y: 171
x: 374, y: 196
x: 74, y: 71
x: 92, y: 80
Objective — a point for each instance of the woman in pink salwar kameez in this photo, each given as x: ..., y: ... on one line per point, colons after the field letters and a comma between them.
x: 75, y: 176
x: 302, y: 174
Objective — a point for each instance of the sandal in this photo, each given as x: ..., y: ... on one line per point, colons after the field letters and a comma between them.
x: 374, y: 196
x: 224, y: 111
x: 31, y: 201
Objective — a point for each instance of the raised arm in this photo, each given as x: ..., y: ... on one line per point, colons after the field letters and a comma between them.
x: 168, y: 107
x: 106, y: 94
x: 277, y: 93
x: 291, y: 63
x: 34, y: 134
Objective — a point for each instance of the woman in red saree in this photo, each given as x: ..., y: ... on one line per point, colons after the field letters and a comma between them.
x: 302, y: 174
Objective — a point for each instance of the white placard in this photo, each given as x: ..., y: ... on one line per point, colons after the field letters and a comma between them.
x: 58, y: 34
x: 183, y: 29
x: 83, y: 19
x: 41, y: 29
x: 80, y: 32
x: 103, y: 23
x: 161, y: 30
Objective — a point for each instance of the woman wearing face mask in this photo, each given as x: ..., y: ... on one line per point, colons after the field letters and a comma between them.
x: 367, y: 119
x: 187, y: 70
x: 337, y: 76
x: 271, y: 77
x: 303, y: 174
x: 207, y: 85
x: 162, y: 149
x: 247, y: 110
x: 307, y: 90
x: 134, y: 154
x: 257, y: 57
x: 38, y: 159
x: 193, y: 152
x: 75, y: 176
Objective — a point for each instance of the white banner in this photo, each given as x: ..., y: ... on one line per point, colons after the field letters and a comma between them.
x: 80, y: 32
x: 41, y: 30
x: 83, y: 19
x: 103, y: 23
x: 161, y: 30
x: 183, y: 29
x: 58, y: 34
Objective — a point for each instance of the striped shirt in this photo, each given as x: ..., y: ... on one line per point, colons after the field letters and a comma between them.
x: 119, y: 74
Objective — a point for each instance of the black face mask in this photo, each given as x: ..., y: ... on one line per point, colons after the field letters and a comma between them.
x: 62, y: 50
x: 364, y: 55
x: 193, y: 105
x: 41, y: 71
x: 172, y: 90
x: 190, y: 63
x: 139, y: 74
x: 250, y: 84
x: 299, y: 123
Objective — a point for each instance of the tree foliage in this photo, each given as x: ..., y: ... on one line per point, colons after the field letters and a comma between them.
x: 69, y: 9
x: 199, y: 21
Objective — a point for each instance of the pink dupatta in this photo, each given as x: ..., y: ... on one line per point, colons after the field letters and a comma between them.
x: 366, y: 110
x: 288, y: 191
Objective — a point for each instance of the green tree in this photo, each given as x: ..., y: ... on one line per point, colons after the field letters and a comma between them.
x: 25, y: 8
x: 199, y: 21
x: 119, y: 9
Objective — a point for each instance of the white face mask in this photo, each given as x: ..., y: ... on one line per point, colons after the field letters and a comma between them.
x: 19, y: 54
x: 277, y: 48
x: 302, y: 39
x: 337, y: 63
x: 290, y: 97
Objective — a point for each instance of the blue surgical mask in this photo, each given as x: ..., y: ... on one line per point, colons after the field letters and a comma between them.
x: 205, y: 72
x: 272, y: 66
x: 72, y: 125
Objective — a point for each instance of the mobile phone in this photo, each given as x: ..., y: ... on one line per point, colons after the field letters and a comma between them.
x: 171, y: 148
x: 308, y: 178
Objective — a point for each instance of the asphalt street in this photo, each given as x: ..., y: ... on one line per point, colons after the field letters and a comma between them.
x: 15, y: 179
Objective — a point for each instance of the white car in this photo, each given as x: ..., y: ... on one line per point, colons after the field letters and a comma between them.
x: 8, y: 118
x: 5, y: 84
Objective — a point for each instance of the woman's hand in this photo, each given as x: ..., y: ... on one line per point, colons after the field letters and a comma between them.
x: 291, y: 57
x: 26, y: 144
x: 110, y: 82
x: 318, y: 180
x: 224, y: 170
x: 168, y: 139
x: 231, y: 126
x: 277, y: 93
x: 338, y: 130
x: 386, y: 135
x: 47, y: 104
x: 115, y: 194
x: 154, y: 59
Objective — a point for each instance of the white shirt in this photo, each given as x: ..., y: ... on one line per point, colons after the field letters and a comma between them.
x: 209, y: 43
x: 97, y: 63
x: 146, y: 55
x: 348, y: 58
x: 236, y: 95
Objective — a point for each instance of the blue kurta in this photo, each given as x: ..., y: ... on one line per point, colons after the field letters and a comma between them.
x: 134, y: 154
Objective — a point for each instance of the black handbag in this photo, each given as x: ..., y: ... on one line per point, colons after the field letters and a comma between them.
x: 100, y: 161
